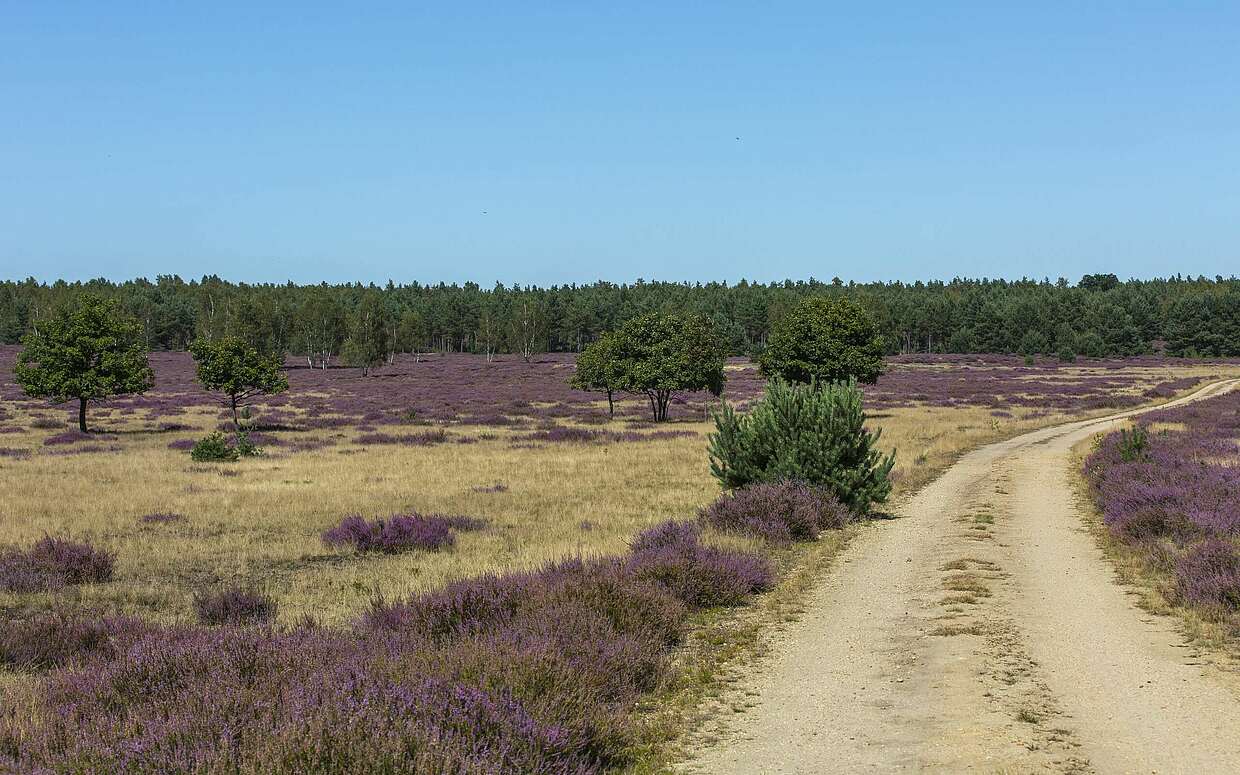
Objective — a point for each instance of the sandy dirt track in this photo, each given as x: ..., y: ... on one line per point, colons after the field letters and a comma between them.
x: 982, y: 631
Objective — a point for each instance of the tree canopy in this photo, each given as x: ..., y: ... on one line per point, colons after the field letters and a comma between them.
x: 88, y: 351
x: 657, y: 355
x: 824, y: 340
x: 1112, y: 317
x: 237, y: 369
x: 599, y: 369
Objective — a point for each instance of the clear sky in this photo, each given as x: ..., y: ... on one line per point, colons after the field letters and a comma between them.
x: 547, y: 142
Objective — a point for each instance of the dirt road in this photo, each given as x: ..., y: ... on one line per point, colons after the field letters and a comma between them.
x: 982, y: 631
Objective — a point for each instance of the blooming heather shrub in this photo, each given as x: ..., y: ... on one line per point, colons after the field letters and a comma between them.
x: 673, y: 532
x: 672, y: 555
x: 15, y: 453
x: 1208, y: 576
x: 182, y: 444
x: 234, y: 605
x: 56, y: 638
x: 1175, y: 497
x: 46, y: 423
x: 390, y: 536
x: 187, y: 701
x: 533, y: 672
x: 72, y: 437
x: 810, y: 433
x: 53, y: 563
x: 781, y: 511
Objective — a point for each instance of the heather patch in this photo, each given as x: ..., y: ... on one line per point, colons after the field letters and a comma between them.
x: 75, y: 437
x: 53, y: 563
x: 782, y: 511
x: 523, y: 672
x: 1208, y: 576
x: 57, y: 638
x: 1171, y: 489
x: 399, y: 533
x: 234, y: 605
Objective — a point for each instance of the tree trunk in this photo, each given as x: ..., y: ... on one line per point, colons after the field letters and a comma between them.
x: 236, y: 422
x: 611, y: 406
x: 82, y: 415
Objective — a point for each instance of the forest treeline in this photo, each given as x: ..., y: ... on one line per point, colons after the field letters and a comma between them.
x: 1096, y: 316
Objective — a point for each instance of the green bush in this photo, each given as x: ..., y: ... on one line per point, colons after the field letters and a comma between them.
x: 213, y: 447
x: 245, y: 447
x: 808, y: 433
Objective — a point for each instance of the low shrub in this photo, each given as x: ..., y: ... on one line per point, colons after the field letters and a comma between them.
x: 393, y: 535
x: 779, y: 511
x: 214, y: 448
x: 245, y: 445
x: 1208, y: 576
x: 234, y: 605
x: 54, y: 563
x: 672, y: 556
x: 532, y: 671
x: 808, y: 433
x: 56, y: 638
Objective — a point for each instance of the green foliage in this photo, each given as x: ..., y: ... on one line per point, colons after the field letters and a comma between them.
x: 823, y: 340
x: 238, y: 370
x: 807, y: 433
x: 599, y: 368
x: 245, y: 447
x: 1205, y: 324
x: 1133, y: 444
x: 657, y: 355
x: 961, y: 316
x: 214, y: 448
x: 1033, y: 343
x: 87, y: 351
x: 1092, y: 345
x: 369, y: 332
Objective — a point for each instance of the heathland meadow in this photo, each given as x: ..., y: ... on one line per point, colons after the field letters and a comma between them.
x: 462, y: 546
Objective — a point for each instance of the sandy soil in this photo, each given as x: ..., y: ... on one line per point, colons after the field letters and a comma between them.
x: 981, y: 630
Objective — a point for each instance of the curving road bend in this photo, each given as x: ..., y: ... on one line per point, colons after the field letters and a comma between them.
x: 983, y: 631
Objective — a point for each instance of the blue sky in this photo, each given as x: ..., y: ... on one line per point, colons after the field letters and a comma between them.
x: 568, y: 142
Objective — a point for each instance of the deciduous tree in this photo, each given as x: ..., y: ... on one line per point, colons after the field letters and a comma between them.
x: 237, y: 369
x: 88, y: 351
x: 823, y: 340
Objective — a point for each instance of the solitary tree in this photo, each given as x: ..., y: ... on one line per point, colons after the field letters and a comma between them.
x: 367, y: 345
x: 660, y: 354
x: 238, y: 370
x: 598, y: 369
x: 88, y: 351
x: 824, y: 340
